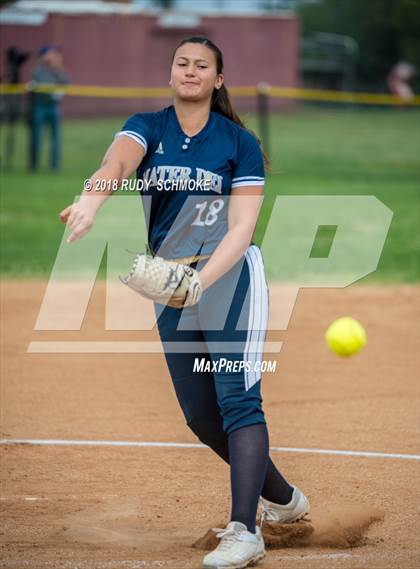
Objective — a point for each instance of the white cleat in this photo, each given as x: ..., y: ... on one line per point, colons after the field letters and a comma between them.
x: 295, y: 510
x: 238, y: 548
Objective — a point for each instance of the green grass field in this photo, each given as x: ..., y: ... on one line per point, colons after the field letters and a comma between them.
x: 314, y: 152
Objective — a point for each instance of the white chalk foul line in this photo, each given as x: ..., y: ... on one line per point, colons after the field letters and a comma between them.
x: 70, y: 564
x: 59, y: 442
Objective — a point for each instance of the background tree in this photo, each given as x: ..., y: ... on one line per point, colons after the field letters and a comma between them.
x: 387, y: 31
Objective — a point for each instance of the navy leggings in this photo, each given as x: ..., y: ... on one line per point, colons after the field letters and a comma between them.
x: 229, y: 322
x: 223, y: 335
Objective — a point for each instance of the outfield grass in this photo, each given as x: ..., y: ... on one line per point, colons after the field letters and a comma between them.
x: 314, y: 152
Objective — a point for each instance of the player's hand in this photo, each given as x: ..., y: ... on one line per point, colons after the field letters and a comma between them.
x: 79, y: 217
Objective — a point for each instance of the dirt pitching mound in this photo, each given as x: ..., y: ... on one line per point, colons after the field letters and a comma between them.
x: 343, y: 527
x: 112, y: 523
x: 117, y: 523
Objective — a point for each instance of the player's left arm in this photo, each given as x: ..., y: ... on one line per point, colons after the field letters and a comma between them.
x: 243, y: 210
x: 244, y: 206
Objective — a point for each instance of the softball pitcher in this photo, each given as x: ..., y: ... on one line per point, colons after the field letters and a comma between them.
x: 202, y: 179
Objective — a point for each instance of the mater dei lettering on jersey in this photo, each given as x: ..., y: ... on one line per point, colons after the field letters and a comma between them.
x: 178, y: 178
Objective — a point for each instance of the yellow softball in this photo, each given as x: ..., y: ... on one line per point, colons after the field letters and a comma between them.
x: 345, y: 336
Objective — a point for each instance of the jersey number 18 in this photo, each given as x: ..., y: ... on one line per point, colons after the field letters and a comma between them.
x: 210, y: 217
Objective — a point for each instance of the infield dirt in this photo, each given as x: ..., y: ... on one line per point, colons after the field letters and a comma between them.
x: 130, y: 507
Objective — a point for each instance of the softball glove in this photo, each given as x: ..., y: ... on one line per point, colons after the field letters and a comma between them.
x: 165, y: 282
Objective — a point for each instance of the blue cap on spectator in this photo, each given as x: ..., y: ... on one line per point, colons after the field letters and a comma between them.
x: 46, y: 48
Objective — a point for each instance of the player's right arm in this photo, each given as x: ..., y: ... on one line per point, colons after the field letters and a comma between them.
x: 121, y: 159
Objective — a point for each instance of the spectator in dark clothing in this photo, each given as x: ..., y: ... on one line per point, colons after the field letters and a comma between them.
x: 45, y: 107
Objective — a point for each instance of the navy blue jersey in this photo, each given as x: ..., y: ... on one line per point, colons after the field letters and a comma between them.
x: 185, y: 181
